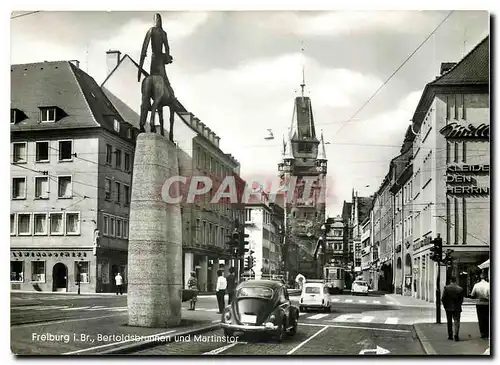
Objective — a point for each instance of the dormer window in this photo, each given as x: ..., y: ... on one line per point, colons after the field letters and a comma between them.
x: 16, y: 116
x: 48, y: 115
x: 116, y: 126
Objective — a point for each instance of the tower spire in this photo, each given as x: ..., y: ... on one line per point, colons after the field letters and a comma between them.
x: 303, y: 85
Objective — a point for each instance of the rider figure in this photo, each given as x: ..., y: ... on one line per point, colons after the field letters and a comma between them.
x: 158, y: 38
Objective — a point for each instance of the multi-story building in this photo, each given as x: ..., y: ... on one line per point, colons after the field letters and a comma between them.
x: 401, y: 193
x: 451, y: 164
x: 264, y: 225
x: 304, y: 159
x: 366, y: 248
x: 359, y: 211
x: 71, y: 172
x: 205, y: 225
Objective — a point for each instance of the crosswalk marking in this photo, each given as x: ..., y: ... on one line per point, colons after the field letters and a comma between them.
x: 74, y: 308
x: 49, y: 307
x: 376, y: 301
x: 348, y: 300
x: 118, y: 309
x: 318, y: 316
x: 342, y: 318
x: 212, y: 310
x: 302, y: 314
x: 335, y: 299
x: 390, y: 302
x: 366, y: 319
x: 362, y: 301
x: 391, y: 320
x: 96, y: 308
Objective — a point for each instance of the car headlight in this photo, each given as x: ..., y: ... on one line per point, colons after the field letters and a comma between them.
x: 227, y: 316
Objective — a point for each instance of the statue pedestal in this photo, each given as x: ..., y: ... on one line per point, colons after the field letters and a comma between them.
x: 155, y: 237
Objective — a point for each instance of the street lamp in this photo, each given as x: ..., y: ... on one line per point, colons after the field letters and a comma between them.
x: 78, y: 276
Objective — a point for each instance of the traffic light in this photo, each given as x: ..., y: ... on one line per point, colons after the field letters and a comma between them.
x: 234, y: 242
x: 249, y: 263
x: 244, y: 245
x: 437, y: 249
x: 448, y: 260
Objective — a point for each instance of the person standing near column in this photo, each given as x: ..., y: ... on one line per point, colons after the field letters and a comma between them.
x: 221, y: 290
x: 231, y: 285
x: 481, y: 291
x: 119, y: 283
x: 453, y: 297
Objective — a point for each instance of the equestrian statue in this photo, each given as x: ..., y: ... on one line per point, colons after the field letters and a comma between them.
x: 156, y: 87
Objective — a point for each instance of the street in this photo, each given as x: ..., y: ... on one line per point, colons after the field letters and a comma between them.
x: 355, y: 324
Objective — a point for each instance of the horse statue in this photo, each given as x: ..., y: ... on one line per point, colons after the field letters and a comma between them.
x: 155, y: 89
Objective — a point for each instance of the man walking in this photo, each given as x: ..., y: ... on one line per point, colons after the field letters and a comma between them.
x: 481, y: 291
x: 453, y: 297
x: 119, y: 283
x: 231, y: 285
x: 220, y: 290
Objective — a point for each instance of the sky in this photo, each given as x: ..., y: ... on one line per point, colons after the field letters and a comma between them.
x: 239, y: 72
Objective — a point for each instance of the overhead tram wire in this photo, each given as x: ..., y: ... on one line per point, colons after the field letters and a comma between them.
x: 394, y: 73
x: 25, y: 14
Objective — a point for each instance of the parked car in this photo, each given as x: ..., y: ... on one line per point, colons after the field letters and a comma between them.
x: 315, y: 295
x: 261, y: 306
x: 360, y: 287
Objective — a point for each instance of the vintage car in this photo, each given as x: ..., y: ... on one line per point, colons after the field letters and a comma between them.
x: 261, y: 306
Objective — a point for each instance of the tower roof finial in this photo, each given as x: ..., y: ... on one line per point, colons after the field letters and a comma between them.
x: 303, y: 85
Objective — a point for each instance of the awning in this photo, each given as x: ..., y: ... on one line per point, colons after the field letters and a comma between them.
x: 485, y: 265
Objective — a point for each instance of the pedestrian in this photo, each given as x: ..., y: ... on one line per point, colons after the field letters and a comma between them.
x: 453, y: 297
x: 119, y: 283
x: 231, y: 285
x: 221, y: 290
x: 193, y: 285
x: 481, y: 291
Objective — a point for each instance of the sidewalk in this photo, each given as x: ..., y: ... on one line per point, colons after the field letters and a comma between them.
x: 103, y: 334
x: 407, y: 301
x: 434, y: 339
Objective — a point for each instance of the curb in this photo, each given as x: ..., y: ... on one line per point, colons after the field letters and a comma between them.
x: 133, y: 347
x: 64, y: 293
x: 424, y: 341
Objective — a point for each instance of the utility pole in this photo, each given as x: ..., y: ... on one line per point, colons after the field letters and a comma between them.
x: 437, y: 256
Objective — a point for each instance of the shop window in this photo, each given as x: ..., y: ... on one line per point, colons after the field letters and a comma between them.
x: 17, y: 271
x: 38, y: 271
x: 84, y: 271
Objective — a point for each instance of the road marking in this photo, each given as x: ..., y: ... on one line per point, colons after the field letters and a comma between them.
x: 306, y: 341
x: 376, y: 302
x: 348, y: 300
x: 75, y: 308
x: 391, y: 320
x: 390, y: 302
x: 366, y: 319
x: 211, y: 310
x: 96, y: 308
x: 25, y: 308
x: 362, y: 301
x: 13, y: 326
x: 351, y: 327
x: 216, y: 321
x: 302, y: 313
x: 222, y: 349
x: 114, y: 343
x: 335, y: 299
x: 50, y: 307
x: 342, y: 318
x: 318, y: 316
x: 118, y: 309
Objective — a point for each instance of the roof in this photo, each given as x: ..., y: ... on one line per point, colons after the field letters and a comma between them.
x: 346, y: 210
x: 266, y: 283
x: 303, y: 120
x: 60, y: 84
x: 472, y: 71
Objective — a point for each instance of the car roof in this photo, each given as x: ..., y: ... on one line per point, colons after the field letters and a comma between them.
x: 265, y: 283
x: 314, y: 284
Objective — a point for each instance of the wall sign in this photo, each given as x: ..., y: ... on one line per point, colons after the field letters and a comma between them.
x: 455, y: 130
x: 474, y: 190
x: 469, y: 168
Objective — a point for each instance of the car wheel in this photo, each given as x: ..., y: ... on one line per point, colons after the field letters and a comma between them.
x: 301, y: 309
x: 228, y: 332
x: 293, y: 330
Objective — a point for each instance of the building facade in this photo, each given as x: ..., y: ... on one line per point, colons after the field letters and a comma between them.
x: 305, y: 163
x: 206, y: 225
x: 451, y: 164
x: 366, y: 249
x: 264, y: 224
x: 71, y: 174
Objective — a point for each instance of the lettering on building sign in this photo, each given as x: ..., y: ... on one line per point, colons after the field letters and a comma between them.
x: 473, y: 190
x: 469, y: 168
x: 455, y: 130
x: 471, y: 187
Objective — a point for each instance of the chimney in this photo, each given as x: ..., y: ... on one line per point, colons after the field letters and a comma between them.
x: 112, y: 59
x: 76, y: 63
x: 446, y: 66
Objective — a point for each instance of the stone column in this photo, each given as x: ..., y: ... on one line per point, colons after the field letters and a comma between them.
x: 202, y: 275
x: 215, y: 268
x: 188, y: 266
x: 155, y: 239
